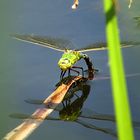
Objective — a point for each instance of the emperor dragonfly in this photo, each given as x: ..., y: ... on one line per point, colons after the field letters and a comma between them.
x: 69, y: 56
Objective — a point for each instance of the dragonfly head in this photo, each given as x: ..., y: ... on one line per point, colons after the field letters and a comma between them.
x: 64, y: 64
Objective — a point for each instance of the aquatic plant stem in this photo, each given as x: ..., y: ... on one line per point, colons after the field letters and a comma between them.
x: 119, y: 88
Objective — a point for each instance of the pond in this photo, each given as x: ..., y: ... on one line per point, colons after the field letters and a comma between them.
x: 31, y: 72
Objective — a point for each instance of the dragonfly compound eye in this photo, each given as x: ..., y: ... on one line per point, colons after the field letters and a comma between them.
x: 64, y: 64
x: 66, y: 61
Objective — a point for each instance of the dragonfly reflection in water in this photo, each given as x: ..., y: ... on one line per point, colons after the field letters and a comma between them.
x: 72, y: 109
x: 70, y: 57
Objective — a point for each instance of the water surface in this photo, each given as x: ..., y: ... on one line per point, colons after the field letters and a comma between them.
x: 31, y: 72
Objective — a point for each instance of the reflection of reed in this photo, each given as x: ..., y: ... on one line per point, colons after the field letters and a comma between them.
x: 30, y: 124
x: 71, y: 108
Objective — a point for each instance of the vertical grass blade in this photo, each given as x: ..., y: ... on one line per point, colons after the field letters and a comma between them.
x: 119, y: 88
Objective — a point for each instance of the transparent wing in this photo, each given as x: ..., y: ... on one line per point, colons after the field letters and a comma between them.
x: 90, y: 114
x: 91, y: 126
x: 27, y: 116
x: 101, y: 76
x: 93, y: 47
x: 40, y: 102
x: 99, y: 46
x: 96, y: 116
x: 48, y: 42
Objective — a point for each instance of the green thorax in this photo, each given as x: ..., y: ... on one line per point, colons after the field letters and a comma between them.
x: 68, y: 59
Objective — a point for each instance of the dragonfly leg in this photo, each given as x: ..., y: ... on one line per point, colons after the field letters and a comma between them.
x: 63, y: 104
x: 68, y: 72
x: 96, y: 70
x: 62, y: 74
x: 79, y: 68
x: 74, y: 71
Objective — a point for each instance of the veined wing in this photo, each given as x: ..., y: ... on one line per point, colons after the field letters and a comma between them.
x: 94, y: 127
x: 48, y: 42
x: 103, y: 46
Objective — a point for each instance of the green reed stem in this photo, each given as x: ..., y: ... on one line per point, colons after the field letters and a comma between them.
x: 119, y: 88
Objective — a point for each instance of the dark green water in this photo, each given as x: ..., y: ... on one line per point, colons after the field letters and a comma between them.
x: 31, y: 72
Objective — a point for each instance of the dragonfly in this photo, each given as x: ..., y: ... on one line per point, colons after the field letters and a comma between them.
x: 70, y: 56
